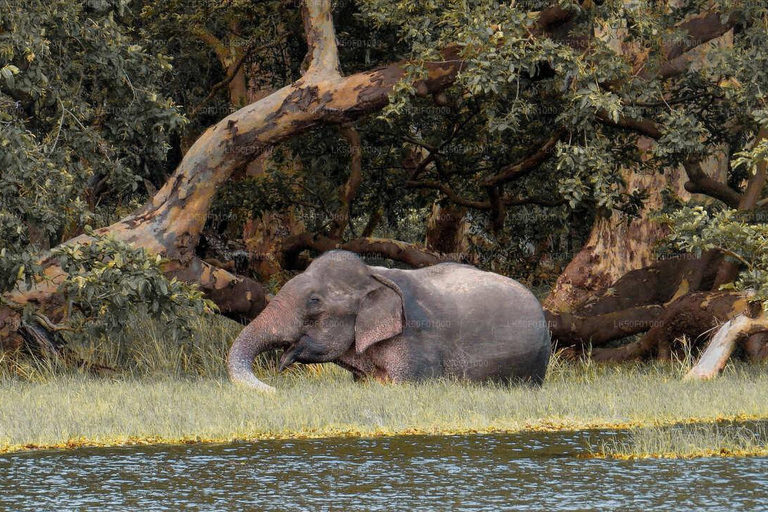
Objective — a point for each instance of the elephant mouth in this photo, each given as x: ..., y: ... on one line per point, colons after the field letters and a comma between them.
x: 305, y: 350
x: 288, y: 357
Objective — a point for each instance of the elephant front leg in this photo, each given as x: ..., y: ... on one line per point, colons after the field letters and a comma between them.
x: 359, y: 365
x: 388, y: 363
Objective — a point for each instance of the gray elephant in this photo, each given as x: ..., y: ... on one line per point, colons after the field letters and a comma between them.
x: 449, y: 320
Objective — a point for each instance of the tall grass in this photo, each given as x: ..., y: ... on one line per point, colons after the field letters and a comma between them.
x: 144, y: 349
x: 690, y: 441
x: 148, y: 387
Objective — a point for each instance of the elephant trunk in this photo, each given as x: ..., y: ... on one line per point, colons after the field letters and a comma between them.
x: 272, y: 329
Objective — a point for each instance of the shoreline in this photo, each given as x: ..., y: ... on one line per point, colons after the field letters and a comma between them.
x: 542, y: 426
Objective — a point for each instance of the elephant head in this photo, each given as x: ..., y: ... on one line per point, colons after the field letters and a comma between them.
x: 337, y: 303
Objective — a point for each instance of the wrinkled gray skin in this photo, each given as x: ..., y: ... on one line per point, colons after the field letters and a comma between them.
x: 449, y: 320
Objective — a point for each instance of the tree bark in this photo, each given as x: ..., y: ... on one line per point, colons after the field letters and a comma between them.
x: 615, y: 246
x: 350, y: 188
x: 634, y: 303
x: 691, y: 316
x: 756, y: 347
x: 729, y: 270
x: 447, y: 230
x: 264, y: 237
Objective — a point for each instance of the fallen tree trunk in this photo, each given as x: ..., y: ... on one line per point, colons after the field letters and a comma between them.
x: 722, y: 345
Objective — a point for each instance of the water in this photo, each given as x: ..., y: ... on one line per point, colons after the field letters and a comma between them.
x: 537, y: 472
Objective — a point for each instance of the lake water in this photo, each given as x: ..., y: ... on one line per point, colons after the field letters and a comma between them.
x: 537, y: 472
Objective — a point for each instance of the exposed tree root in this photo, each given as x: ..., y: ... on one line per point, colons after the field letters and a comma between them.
x: 692, y: 315
x: 668, y: 301
x: 634, y: 303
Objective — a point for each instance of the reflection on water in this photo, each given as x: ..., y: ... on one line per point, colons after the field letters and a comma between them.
x: 484, y: 472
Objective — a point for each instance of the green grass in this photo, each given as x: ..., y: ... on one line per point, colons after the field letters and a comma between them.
x: 146, y: 388
x: 695, y: 440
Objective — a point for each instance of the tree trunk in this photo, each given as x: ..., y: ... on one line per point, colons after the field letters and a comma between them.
x: 615, y: 247
x: 263, y: 238
x: 447, y: 230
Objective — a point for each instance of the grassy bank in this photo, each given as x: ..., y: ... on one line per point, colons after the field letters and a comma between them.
x: 75, y: 409
x: 149, y: 388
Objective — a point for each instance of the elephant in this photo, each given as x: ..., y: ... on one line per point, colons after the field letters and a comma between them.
x: 449, y: 320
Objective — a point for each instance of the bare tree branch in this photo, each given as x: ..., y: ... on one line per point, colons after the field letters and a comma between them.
x: 644, y: 127
x: 232, y: 73
x: 414, y: 255
x: 449, y: 193
x: 696, y: 31
x: 214, y: 42
x: 506, y: 199
x: 373, y: 222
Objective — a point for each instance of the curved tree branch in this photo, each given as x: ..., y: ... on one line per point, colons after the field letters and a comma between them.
x: 232, y: 72
x: 527, y: 164
x: 644, y: 127
x: 171, y: 222
x: 701, y: 183
x: 214, y: 42
x: 411, y: 254
x: 506, y: 200
x: 448, y: 192
x: 694, y: 32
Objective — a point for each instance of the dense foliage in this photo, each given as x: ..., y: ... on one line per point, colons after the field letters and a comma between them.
x: 531, y: 142
x: 83, y: 123
x: 741, y: 237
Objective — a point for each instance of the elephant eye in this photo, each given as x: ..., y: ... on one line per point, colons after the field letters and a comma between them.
x: 313, y: 301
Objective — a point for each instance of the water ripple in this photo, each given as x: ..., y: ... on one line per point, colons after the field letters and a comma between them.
x: 529, y: 472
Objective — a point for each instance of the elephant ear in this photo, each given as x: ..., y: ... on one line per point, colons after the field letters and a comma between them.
x: 381, y: 315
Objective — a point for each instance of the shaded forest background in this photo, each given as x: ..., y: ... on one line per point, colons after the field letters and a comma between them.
x: 176, y: 158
